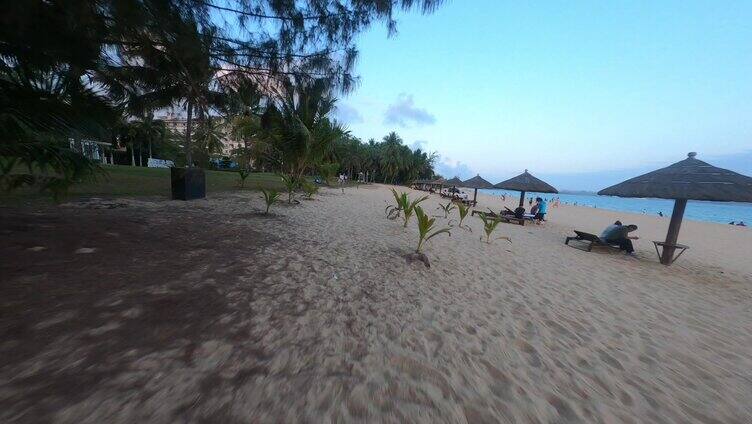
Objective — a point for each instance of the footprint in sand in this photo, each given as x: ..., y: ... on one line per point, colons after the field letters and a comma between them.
x: 533, y: 357
x: 610, y: 360
x: 502, y: 385
x: 562, y: 407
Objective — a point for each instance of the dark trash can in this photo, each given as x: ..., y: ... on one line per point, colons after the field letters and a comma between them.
x: 188, y: 183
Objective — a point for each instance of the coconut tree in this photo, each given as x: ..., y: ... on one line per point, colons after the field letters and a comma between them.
x: 153, y: 131
x: 175, y: 67
x: 390, y: 157
x: 297, y: 131
x: 245, y: 128
x: 208, y: 140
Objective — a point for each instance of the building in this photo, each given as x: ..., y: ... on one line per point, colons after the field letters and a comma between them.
x: 178, y: 124
x: 94, y: 150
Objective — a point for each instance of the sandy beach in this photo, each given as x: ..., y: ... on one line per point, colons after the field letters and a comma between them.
x: 720, y: 248
x: 314, y: 315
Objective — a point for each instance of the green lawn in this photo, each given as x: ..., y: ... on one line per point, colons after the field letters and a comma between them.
x: 131, y: 181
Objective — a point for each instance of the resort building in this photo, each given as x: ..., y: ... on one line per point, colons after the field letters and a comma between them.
x: 177, y: 123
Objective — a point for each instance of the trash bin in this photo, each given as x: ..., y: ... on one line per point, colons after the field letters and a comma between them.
x: 188, y: 183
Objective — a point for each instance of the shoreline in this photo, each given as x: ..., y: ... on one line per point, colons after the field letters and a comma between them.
x: 744, y: 209
x: 635, y: 214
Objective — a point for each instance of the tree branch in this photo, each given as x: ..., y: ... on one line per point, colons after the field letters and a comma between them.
x: 263, y: 16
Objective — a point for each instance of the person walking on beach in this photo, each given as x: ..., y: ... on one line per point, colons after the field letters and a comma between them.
x: 617, y: 233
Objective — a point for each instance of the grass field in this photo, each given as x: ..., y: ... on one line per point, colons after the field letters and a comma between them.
x: 131, y: 181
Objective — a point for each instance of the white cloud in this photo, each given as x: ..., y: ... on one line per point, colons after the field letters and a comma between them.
x: 347, y: 114
x: 448, y: 168
x: 403, y: 113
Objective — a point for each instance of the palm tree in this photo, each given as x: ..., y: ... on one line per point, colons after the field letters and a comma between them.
x: 391, y: 157
x: 176, y: 66
x: 246, y: 128
x: 297, y: 131
x: 152, y: 131
x: 208, y: 140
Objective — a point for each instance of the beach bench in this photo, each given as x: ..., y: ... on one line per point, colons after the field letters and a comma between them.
x: 591, y: 239
x: 465, y: 202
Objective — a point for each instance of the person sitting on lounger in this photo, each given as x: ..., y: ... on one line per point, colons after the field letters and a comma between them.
x: 619, y: 234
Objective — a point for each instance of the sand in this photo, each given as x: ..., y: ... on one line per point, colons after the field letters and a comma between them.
x: 332, y: 324
x: 714, y: 247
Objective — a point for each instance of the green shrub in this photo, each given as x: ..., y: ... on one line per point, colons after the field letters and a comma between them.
x: 309, y: 189
x: 404, y: 207
x: 489, y: 225
x: 448, y: 208
x: 426, y: 228
x: 270, y: 197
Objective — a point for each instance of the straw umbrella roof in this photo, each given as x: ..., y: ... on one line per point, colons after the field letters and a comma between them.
x: 436, y: 181
x: 454, y: 182
x: 476, y: 182
x: 526, y: 182
x: 690, y: 178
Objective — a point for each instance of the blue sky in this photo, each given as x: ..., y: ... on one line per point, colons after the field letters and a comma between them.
x: 582, y: 93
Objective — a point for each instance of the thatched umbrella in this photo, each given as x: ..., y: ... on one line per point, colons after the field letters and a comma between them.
x: 526, y: 182
x: 476, y: 182
x: 454, y: 182
x: 420, y: 183
x: 689, y: 179
x: 437, y: 181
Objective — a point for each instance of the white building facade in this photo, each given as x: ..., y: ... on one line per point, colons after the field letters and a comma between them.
x: 178, y: 124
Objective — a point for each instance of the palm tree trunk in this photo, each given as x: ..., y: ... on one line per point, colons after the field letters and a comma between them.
x: 188, y: 158
x: 150, y: 149
x: 133, y: 155
x: 140, y: 157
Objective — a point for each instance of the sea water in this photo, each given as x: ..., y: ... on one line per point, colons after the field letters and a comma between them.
x: 721, y: 212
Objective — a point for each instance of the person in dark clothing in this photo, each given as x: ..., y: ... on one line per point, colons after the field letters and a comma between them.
x: 617, y: 233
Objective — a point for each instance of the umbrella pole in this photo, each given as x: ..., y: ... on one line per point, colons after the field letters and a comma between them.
x: 475, y: 197
x: 522, y: 199
x: 673, y: 231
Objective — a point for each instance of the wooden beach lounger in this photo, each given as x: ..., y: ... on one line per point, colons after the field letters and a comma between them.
x: 591, y: 239
x: 466, y: 202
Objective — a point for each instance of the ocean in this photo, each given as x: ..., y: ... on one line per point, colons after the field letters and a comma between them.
x: 721, y: 212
